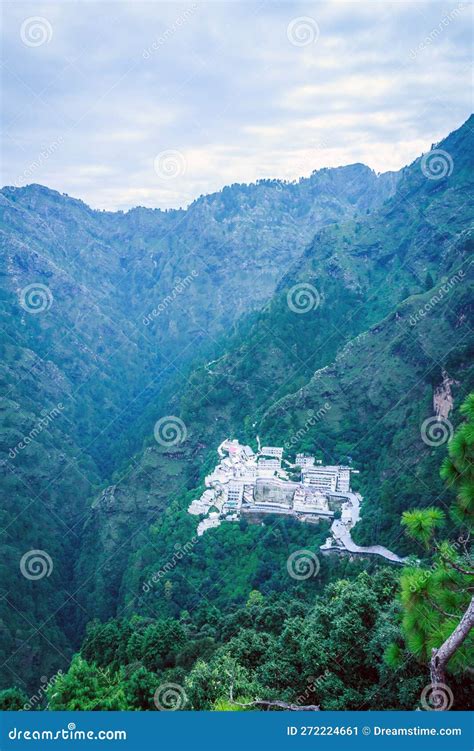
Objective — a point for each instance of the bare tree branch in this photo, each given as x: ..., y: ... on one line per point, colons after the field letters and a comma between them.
x: 279, y: 704
x: 268, y: 703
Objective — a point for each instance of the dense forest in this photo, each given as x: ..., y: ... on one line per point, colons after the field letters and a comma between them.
x: 136, y: 611
x: 361, y: 642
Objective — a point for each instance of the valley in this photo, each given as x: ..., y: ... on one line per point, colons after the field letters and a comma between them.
x: 332, y: 317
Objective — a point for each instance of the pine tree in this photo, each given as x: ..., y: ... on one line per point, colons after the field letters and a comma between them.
x: 437, y: 599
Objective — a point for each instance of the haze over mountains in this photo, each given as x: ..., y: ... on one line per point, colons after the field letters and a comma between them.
x: 186, y: 313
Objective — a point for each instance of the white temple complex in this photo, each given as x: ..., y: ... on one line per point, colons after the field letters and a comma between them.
x: 245, y: 484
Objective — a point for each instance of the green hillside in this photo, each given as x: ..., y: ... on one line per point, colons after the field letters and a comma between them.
x: 325, y: 316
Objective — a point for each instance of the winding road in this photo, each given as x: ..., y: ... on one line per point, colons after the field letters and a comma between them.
x: 341, y: 532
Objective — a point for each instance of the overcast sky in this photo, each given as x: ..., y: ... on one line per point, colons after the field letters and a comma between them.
x: 152, y: 103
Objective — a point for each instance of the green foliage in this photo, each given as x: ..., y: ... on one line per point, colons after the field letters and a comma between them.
x: 87, y: 687
x: 458, y: 467
x: 255, y: 598
x: 323, y: 652
x: 272, y: 372
x: 436, y: 594
x: 393, y: 656
x: 139, y: 687
x: 422, y: 524
x: 12, y: 699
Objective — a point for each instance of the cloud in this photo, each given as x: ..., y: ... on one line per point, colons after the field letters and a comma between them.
x: 116, y: 84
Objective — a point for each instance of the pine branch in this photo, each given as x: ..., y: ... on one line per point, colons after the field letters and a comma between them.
x: 458, y: 568
x: 440, y: 610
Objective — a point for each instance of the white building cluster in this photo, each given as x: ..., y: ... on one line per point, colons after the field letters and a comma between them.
x: 249, y: 483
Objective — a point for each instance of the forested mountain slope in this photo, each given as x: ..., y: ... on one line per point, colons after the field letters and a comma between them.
x: 99, y: 312
x: 353, y: 377
x: 142, y: 292
x: 301, y: 309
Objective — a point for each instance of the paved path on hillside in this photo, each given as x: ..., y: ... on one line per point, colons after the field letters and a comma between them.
x: 341, y: 530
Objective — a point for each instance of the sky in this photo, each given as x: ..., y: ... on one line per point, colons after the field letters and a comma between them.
x: 154, y: 103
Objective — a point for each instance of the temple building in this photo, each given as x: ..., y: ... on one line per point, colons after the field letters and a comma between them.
x: 271, y: 464
x: 275, y: 451
x: 304, y: 461
x: 255, y: 484
x: 327, y: 478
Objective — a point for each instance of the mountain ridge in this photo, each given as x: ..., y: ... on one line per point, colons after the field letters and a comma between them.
x: 386, y: 176
x: 86, y: 483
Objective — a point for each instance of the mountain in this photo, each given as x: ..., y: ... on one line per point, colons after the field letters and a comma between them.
x: 142, y: 293
x: 102, y: 315
x: 356, y: 350
x: 331, y: 315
